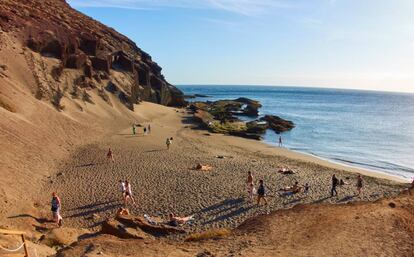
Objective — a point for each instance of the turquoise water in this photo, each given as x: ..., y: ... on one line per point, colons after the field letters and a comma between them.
x: 368, y: 129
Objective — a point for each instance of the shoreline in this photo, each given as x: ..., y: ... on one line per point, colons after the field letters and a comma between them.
x: 308, y: 157
x: 352, y: 168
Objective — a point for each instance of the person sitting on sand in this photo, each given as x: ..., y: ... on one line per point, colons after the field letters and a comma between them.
x: 261, y: 193
x: 359, y: 184
x: 110, y: 155
x: 168, y: 143
x: 56, y: 206
x: 306, y: 188
x: 122, y: 212
x: 286, y: 171
x: 128, y: 193
x: 175, y: 221
x: 292, y: 189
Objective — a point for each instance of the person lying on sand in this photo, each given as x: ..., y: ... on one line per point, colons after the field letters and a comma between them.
x: 286, y: 171
x: 176, y: 221
x: 292, y: 189
x: 203, y: 167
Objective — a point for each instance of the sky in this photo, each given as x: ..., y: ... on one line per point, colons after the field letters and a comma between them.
x: 362, y: 44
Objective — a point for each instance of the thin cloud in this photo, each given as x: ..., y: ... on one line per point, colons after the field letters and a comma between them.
x: 243, y: 7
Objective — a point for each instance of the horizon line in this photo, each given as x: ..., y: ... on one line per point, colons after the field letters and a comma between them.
x: 295, y: 86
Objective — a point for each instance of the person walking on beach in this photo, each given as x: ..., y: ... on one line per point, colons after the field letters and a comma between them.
x: 133, y: 129
x: 261, y: 193
x: 110, y: 155
x: 334, y: 185
x: 56, y: 206
x: 128, y: 193
x: 359, y: 184
x: 250, y: 185
x: 149, y: 128
x: 145, y: 130
x: 168, y: 143
x: 123, y: 189
x: 280, y: 141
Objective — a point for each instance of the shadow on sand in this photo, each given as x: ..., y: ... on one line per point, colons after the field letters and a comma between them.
x: 225, y: 210
x: 39, y: 220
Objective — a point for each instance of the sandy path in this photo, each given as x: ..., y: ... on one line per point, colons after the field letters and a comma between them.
x: 163, y: 181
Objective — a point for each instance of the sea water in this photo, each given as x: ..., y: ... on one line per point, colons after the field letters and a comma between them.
x: 367, y: 129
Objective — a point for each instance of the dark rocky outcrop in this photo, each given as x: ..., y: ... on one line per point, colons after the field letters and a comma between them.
x: 221, y: 117
x: 118, y: 229
x: 55, y: 30
x: 153, y: 229
x: 278, y: 124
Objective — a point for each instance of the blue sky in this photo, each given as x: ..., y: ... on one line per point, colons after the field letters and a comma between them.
x: 367, y: 44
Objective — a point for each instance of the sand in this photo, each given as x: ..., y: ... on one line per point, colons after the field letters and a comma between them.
x: 164, y: 180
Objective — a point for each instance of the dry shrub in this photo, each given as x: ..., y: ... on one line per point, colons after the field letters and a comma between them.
x: 209, y: 234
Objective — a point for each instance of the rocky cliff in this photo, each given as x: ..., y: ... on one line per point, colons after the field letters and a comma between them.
x: 71, y: 54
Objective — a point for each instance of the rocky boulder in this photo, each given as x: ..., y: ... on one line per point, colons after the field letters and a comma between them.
x: 153, y: 229
x: 118, y: 229
x: 278, y: 124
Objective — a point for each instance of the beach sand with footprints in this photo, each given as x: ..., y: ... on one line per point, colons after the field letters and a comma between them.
x: 165, y: 181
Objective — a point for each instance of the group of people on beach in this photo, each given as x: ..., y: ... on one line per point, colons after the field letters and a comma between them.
x: 295, y: 188
x: 126, y: 191
x: 339, y: 182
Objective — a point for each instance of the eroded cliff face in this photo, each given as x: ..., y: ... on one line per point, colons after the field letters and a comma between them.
x: 71, y: 54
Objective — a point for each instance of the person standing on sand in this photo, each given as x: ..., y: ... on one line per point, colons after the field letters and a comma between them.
x: 261, y: 193
x: 128, y: 193
x: 133, y: 129
x: 145, y: 130
x: 123, y: 189
x: 110, y: 155
x: 334, y: 185
x: 280, y: 141
x: 250, y: 185
x: 168, y: 143
x: 56, y: 206
x: 360, y: 184
x: 149, y: 128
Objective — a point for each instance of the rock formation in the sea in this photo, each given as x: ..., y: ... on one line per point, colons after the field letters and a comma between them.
x: 278, y: 124
x: 71, y: 54
x: 221, y: 117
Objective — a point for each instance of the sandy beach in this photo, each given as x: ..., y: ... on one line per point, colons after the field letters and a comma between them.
x: 164, y: 180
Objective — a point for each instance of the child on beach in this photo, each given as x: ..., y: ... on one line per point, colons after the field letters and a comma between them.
x: 261, y: 193
x: 56, y: 206
x: 359, y: 184
x: 128, y: 193
x: 110, y: 155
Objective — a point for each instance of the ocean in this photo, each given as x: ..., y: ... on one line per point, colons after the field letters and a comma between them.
x: 367, y: 129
